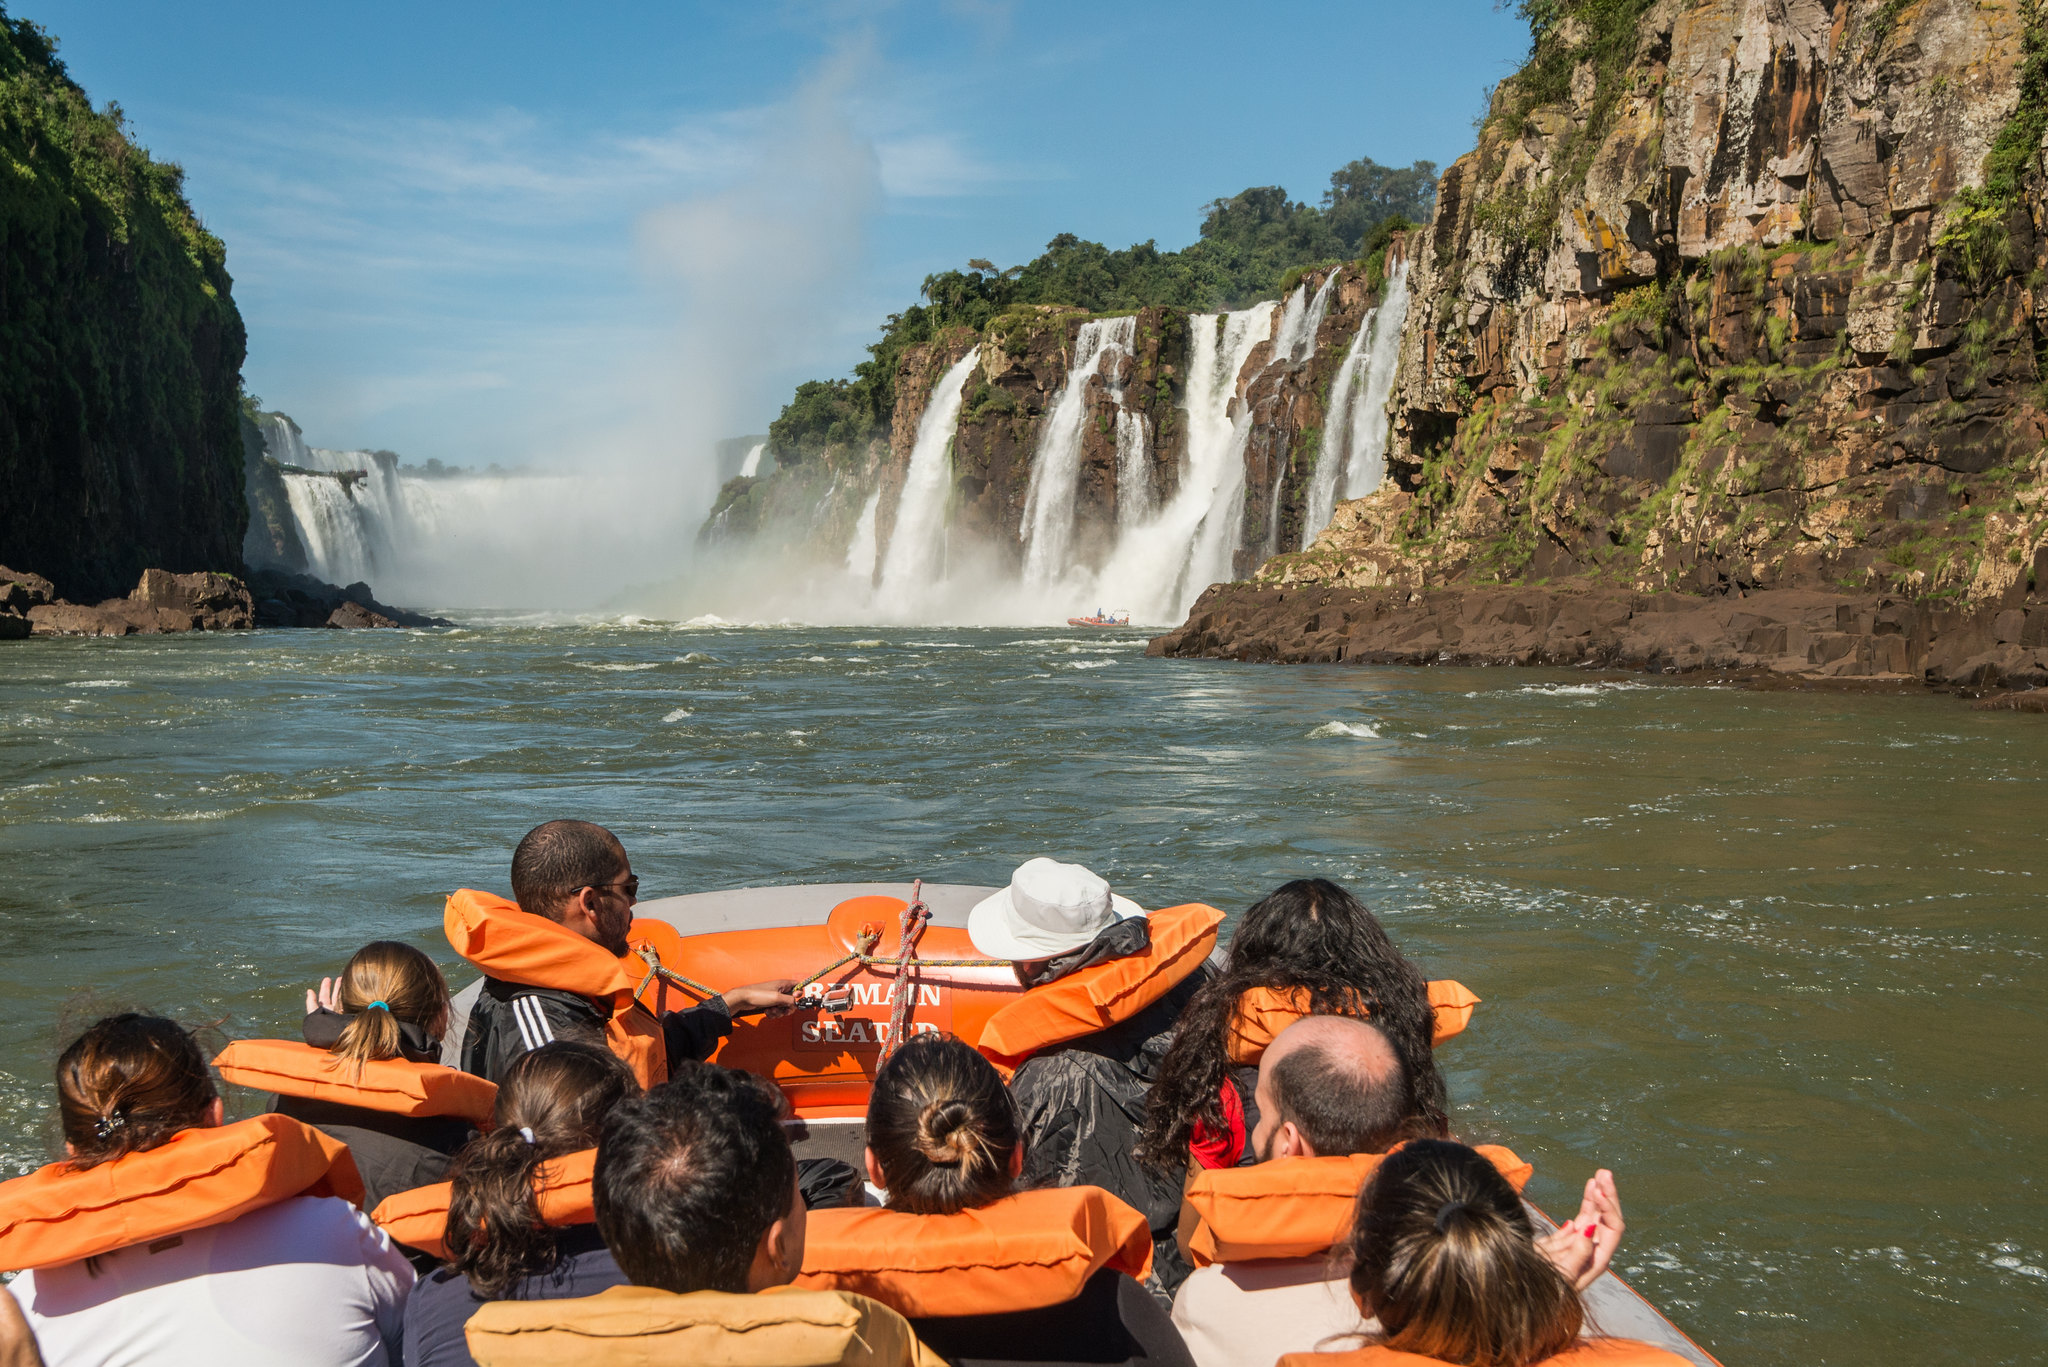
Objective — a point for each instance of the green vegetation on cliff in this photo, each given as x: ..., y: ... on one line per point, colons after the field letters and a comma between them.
x: 1252, y: 245
x: 120, y: 347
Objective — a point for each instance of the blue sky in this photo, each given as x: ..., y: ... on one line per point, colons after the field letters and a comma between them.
x: 558, y: 234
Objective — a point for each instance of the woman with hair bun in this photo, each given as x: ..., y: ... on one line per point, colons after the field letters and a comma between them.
x: 1444, y: 1257
x: 369, y: 1072
x: 500, y: 1245
x: 167, y: 1237
x: 985, y: 1273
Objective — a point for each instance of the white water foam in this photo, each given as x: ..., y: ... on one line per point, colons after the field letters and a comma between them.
x: 1354, y: 730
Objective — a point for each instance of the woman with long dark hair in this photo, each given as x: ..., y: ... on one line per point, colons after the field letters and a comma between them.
x: 500, y: 1247
x: 1444, y: 1257
x: 1313, y: 949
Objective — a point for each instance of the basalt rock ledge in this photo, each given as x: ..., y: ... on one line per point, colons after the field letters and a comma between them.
x: 1801, y: 637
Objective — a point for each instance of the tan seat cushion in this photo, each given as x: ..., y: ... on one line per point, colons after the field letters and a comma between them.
x: 638, y: 1326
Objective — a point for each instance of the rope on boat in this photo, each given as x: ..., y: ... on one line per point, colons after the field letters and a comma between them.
x: 912, y: 930
x: 915, y: 917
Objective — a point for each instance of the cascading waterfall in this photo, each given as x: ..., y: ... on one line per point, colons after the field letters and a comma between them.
x: 916, y: 556
x: 1160, y: 566
x: 1135, y: 497
x: 1056, y: 465
x: 1353, y: 458
x: 1318, y: 308
x: 860, y: 552
x: 751, y: 466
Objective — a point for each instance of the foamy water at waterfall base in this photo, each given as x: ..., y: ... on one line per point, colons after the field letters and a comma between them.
x: 1774, y: 958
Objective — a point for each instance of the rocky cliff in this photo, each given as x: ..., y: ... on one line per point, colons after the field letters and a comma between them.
x: 120, y: 347
x: 1730, y: 296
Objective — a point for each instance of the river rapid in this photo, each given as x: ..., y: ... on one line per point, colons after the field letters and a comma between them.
x: 1775, y: 958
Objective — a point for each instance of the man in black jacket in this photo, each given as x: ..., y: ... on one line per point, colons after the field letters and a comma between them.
x: 577, y: 875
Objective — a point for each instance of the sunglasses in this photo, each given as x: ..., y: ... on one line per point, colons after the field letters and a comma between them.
x: 630, y: 885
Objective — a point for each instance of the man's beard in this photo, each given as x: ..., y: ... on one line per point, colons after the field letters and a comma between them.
x: 614, y: 928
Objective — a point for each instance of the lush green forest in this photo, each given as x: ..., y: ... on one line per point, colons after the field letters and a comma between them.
x: 120, y: 346
x: 1251, y: 245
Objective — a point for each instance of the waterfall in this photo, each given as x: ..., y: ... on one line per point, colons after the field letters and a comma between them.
x: 1160, y: 566
x: 1353, y: 457
x: 331, y: 528
x: 751, y: 466
x: 1367, y: 465
x: 917, y: 543
x: 1317, y: 309
x: 860, y: 553
x: 1049, y: 499
x: 1135, y: 499
x: 1287, y: 337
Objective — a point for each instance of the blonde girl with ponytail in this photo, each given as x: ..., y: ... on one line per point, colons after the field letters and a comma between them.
x: 389, y: 1004
x: 392, y: 1001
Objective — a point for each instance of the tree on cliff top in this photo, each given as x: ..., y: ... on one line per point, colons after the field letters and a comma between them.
x: 120, y: 346
x: 1249, y: 243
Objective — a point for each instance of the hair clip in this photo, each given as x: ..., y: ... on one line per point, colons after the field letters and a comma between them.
x: 526, y: 1134
x: 105, y: 1126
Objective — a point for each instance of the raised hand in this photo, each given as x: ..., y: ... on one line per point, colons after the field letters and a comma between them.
x: 326, y: 998
x: 1583, y: 1247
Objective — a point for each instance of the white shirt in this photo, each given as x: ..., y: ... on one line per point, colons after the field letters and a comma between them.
x: 308, y: 1282
x: 1248, y: 1314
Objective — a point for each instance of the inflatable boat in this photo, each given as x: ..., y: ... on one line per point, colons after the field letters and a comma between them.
x: 842, y: 943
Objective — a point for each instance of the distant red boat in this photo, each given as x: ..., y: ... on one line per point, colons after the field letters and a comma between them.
x: 1101, y: 619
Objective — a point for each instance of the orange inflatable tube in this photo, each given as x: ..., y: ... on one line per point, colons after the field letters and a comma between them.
x: 1291, y: 1207
x: 197, y: 1178
x: 395, y: 1086
x: 1027, y: 1251
x: 419, y: 1218
x: 1264, y: 1012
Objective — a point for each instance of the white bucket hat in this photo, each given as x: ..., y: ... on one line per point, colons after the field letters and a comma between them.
x: 1048, y: 909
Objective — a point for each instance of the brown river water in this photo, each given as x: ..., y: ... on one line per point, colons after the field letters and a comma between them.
x: 1775, y: 958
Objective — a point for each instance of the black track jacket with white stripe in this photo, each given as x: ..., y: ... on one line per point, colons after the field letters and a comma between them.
x: 510, y: 1019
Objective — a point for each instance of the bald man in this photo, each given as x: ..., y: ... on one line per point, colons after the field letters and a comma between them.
x: 1328, y: 1086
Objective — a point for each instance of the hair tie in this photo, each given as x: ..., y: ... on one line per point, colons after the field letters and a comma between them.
x: 1444, y: 1212
x: 526, y: 1134
x: 378, y: 1006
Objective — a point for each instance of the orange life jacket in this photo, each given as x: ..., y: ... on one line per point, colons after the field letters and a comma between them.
x: 1033, y: 1249
x: 419, y: 1218
x: 1100, y: 995
x: 1586, y: 1353
x: 395, y: 1086
x: 511, y: 945
x: 198, y: 1177
x: 1292, y: 1207
x: 1263, y: 1012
